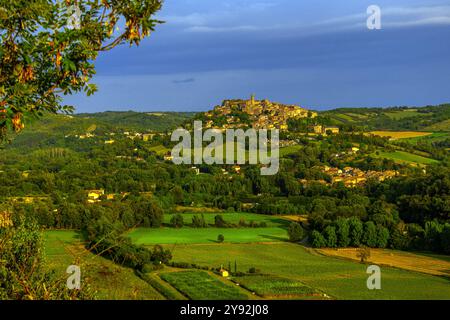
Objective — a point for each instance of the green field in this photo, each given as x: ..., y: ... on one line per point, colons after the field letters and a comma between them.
x: 200, y: 285
x: 271, y: 287
x: 109, y: 280
x: 275, y: 230
x: 398, y: 115
x: 436, y: 136
x: 160, y: 150
x: 404, y: 157
x: 338, y: 278
x: 188, y: 235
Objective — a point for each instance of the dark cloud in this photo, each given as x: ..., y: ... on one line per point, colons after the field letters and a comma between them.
x: 189, y: 80
x: 315, y: 52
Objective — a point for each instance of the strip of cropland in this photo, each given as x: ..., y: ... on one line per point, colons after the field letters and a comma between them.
x: 338, y: 278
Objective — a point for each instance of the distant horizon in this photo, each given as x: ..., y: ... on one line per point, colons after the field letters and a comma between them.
x: 320, y: 109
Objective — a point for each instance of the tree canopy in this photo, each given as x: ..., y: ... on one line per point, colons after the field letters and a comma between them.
x: 48, y: 49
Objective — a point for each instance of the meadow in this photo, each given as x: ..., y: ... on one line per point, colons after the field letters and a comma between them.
x: 275, y: 230
x: 404, y: 157
x: 200, y: 285
x: 188, y: 235
x: 109, y: 280
x: 338, y: 278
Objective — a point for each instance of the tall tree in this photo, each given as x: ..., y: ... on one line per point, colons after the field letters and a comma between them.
x: 48, y: 49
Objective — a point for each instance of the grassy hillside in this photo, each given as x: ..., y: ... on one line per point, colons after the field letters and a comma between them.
x: 404, y: 157
x: 140, y: 121
x: 109, y: 280
x: 430, y: 118
x: 51, y: 130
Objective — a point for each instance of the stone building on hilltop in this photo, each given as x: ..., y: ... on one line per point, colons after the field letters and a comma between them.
x: 261, y: 113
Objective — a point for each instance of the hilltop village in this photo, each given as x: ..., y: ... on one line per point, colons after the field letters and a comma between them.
x: 258, y: 114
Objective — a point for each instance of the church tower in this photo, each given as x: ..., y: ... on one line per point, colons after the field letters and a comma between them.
x: 252, y: 100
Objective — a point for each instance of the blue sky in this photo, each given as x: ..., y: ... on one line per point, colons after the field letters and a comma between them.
x: 314, y: 53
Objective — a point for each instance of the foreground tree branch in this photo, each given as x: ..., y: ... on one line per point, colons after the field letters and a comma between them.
x: 48, y: 49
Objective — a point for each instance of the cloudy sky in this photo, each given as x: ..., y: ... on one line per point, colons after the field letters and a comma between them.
x: 314, y: 53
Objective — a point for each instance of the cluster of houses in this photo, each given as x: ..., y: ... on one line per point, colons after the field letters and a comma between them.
x: 263, y: 114
x: 130, y: 135
x: 138, y: 135
x: 98, y: 195
x: 353, y: 176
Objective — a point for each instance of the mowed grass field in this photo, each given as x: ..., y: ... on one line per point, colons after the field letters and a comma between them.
x: 436, y: 265
x: 109, y: 280
x: 200, y: 285
x: 404, y: 157
x: 275, y: 231
x: 188, y: 235
x: 337, y: 277
x: 395, y: 135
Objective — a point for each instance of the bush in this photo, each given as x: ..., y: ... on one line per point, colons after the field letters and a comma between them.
x: 330, y: 236
x: 150, y: 267
x: 242, y: 223
x: 382, y: 237
x: 219, y: 222
x: 342, y: 232
x: 177, y: 221
x: 159, y: 255
x: 355, y: 231
x: 253, y: 270
x: 220, y: 238
x: 370, y: 234
x: 317, y: 240
x: 295, y: 232
x: 363, y: 254
x: 199, y: 222
x: 445, y: 238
